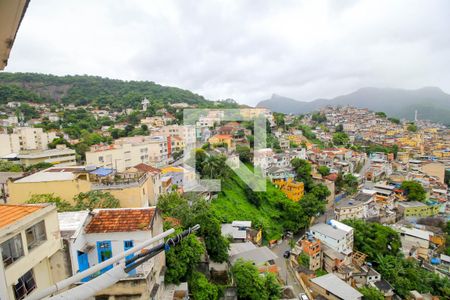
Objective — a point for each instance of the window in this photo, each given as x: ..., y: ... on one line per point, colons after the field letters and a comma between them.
x: 100, y: 159
x: 12, y: 250
x: 25, y: 285
x: 36, y: 235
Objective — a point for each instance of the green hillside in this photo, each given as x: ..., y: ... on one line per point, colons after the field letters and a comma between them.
x: 92, y: 90
x: 275, y: 213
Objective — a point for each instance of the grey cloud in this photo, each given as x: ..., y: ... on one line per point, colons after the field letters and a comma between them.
x: 246, y: 50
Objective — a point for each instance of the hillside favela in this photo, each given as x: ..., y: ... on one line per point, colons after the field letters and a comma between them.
x: 211, y: 150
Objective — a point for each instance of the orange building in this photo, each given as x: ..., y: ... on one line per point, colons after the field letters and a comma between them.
x: 221, y: 138
x: 312, y: 248
x: 292, y: 189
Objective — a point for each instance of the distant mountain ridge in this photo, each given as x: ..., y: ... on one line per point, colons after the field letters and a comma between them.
x: 431, y: 103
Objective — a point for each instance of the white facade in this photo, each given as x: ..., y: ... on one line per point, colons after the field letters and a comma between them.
x: 25, y: 138
x: 128, y: 152
x: 30, y: 244
x: 335, y: 235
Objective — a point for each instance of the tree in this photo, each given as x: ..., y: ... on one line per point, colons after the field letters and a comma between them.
x: 350, y: 183
x: 216, y: 245
x: 371, y: 293
x: 250, y: 285
x: 320, y: 191
x: 201, y: 289
x: 340, y: 138
x: 312, y: 205
x: 414, y: 190
x: 303, y: 169
x: 339, y: 128
x: 244, y: 153
x: 374, y: 239
x: 394, y: 120
x: 319, y: 117
x: 323, y: 170
x: 412, y: 127
x: 95, y: 199
x: 181, y: 259
x: 61, y: 205
x: 59, y: 141
x: 7, y: 166
x: 303, y: 260
x: 381, y: 114
x: 39, y: 166
x: 197, y: 211
x: 214, y: 166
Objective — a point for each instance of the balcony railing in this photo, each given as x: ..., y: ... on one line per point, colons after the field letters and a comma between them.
x: 120, y: 183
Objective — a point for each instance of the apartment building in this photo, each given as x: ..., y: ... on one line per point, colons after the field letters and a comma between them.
x: 415, y: 209
x: 184, y: 132
x: 335, y: 235
x: 92, y: 238
x: 294, y: 190
x: 61, y: 156
x: 25, y: 138
x: 130, y: 151
x: 362, y: 206
x: 132, y: 189
x: 29, y: 244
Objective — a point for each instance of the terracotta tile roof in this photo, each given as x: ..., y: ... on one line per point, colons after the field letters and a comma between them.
x: 121, y: 220
x: 11, y: 213
x: 332, y: 177
x: 147, y: 168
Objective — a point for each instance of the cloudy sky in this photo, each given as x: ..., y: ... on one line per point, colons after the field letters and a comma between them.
x: 246, y: 50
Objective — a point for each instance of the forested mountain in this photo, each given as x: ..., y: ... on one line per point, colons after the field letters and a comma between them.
x: 430, y: 102
x: 93, y: 90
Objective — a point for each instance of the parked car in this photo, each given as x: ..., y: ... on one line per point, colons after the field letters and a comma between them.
x: 302, y: 296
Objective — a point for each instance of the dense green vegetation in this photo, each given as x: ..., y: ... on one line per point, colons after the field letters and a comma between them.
x: 201, y: 288
x: 340, y: 139
x: 271, y: 210
x: 319, y: 117
x: 382, y: 245
x: 381, y: 114
x: 374, y: 239
x: 414, y: 190
x: 371, y: 293
x: 182, y: 259
x: 92, y: 90
x: 323, y: 170
x: 251, y: 286
x: 347, y: 183
x: 89, y: 200
x: 412, y: 127
x: 193, y: 209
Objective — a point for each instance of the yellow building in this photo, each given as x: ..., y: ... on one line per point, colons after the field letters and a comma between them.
x: 131, y: 189
x: 292, y: 189
x: 29, y: 242
x: 221, y: 138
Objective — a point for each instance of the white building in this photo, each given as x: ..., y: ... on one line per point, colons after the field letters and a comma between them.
x: 128, y: 152
x: 92, y: 239
x: 263, y: 158
x: 25, y: 138
x: 29, y: 244
x: 335, y: 235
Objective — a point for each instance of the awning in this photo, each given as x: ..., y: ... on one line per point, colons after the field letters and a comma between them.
x: 102, y: 171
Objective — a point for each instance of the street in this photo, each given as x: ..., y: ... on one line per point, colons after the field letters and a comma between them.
x: 281, y: 263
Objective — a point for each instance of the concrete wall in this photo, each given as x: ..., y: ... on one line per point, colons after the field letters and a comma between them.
x: 38, y: 258
x: 21, y: 192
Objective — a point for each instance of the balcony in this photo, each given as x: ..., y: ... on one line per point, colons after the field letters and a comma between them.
x: 119, y: 181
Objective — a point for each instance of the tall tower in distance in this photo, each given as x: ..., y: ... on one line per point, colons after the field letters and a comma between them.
x: 145, y: 104
x: 415, y: 116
